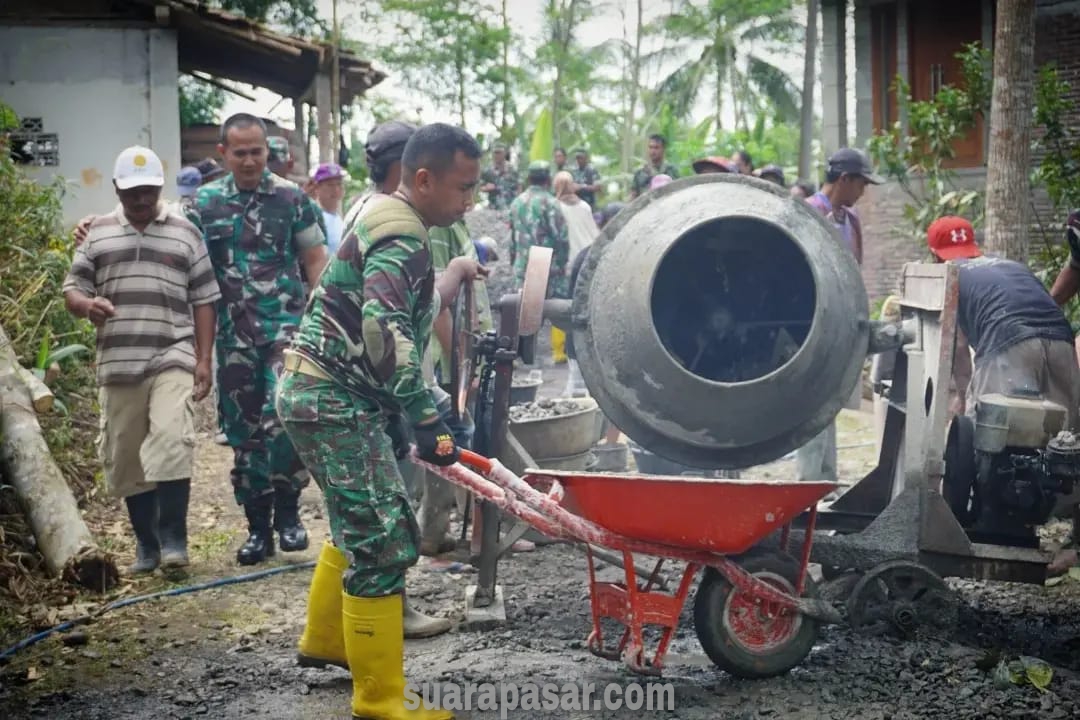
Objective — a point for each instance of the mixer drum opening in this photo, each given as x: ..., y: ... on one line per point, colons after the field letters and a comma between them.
x: 733, y: 299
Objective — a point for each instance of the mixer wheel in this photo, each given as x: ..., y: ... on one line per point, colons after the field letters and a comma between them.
x: 902, y: 597
x: 747, y: 636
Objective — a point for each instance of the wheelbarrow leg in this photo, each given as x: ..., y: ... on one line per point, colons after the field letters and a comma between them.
x: 634, y: 606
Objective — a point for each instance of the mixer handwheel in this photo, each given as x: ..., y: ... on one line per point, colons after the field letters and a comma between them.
x: 900, y: 596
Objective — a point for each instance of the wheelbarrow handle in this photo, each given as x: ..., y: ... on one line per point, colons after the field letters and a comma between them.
x: 476, y: 461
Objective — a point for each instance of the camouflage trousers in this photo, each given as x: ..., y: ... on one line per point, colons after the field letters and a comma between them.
x: 264, y: 458
x: 342, y: 440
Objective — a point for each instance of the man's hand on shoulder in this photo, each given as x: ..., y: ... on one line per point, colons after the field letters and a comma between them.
x: 82, y: 229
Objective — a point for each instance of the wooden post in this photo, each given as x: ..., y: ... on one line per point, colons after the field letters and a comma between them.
x: 806, y: 113
x: 323, y: 104
x: 335, y: 90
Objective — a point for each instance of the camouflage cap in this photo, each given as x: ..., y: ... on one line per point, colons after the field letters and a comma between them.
x: 279, y: 149
x: 538, y: 166
x: 498, y: 146
x: 580, y: 150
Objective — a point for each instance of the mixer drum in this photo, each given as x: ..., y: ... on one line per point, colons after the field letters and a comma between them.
x: 720, y: 323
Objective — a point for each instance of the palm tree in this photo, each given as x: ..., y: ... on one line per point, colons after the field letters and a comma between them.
x: 723, y: 38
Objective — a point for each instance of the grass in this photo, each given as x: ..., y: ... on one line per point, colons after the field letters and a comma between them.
x: 210, y: 544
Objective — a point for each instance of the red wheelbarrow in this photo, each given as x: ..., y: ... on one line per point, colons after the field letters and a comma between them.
x: 756, y: 612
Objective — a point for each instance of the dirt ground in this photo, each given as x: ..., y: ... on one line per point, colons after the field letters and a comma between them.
x: 229, y: 652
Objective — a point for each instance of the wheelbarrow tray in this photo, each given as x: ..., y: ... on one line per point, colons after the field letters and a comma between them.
x: 710, y: 514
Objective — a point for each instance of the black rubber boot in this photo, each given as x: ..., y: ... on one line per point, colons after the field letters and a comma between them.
x: 260, y: 541
x: 292, y: 536
x: 142, y: 510
x: 172, y: 502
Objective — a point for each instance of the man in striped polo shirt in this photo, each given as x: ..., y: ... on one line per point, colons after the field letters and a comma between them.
x: 144, y: 279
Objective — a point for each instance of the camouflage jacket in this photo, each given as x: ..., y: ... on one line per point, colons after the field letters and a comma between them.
x: 255, y: 239
x: 647, y: 172
x: 369, y: 319
x: 537, y: 219
x: 447, y: 244
x: 586, y: 176
x: 506, y: 185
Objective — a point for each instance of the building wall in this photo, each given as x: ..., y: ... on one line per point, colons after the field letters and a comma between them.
x: 886, y: 249
x: 100, y: 90
x: 886, y: 242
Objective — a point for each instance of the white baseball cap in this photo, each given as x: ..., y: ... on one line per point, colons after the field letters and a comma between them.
x: 138, y: 166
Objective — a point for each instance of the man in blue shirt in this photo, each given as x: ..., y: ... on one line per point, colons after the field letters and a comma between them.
x: 329, y: 179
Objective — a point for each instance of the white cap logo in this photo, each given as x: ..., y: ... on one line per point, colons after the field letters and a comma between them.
x: 138, y: 166
x: 959, y: 235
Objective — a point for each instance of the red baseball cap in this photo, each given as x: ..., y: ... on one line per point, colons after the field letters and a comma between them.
x: 951, y: 238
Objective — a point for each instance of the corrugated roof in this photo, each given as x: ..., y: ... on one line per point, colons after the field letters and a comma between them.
x: 212, y: 41
x: 281, y: 63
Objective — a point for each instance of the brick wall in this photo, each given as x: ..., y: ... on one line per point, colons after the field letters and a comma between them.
x: 886, y: 248
x: 886, y: 244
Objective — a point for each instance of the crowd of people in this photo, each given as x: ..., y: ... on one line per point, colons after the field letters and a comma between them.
x: 327, y: 332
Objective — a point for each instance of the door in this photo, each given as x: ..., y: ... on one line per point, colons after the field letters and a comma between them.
x: 939, y: 30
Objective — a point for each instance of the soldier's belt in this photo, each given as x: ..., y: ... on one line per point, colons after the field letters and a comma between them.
x: 297, y: 363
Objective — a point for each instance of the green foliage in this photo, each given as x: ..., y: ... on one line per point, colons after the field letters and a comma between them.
x: 297, y: 17
x: 725, y: 39
x: 448, y: 50
x: 35, y: 254
x: 1058, y: 146
x: 200, y: 102
x: 916, y: 157
x: 568, y: 80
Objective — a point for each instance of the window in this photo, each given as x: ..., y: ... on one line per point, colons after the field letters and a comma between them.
x: 30, y: 145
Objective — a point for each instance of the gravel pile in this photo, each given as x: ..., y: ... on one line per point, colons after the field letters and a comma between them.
x: 494, y: 224
x: 544, y: 409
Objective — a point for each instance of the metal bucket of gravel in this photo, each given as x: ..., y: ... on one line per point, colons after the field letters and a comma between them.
x: 524, y: 389
x: 557, y: 428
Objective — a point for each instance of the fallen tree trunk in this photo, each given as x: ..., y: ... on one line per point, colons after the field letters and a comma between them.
x: 40, y: 394
x: 62, y: 537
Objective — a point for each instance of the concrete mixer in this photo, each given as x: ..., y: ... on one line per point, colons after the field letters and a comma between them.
x: 721, y: 324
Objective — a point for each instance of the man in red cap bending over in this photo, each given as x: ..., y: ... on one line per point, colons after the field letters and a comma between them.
x: 1021, y: 338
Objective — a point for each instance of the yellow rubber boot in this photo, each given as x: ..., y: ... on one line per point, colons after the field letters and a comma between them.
x: 376, y: 650
x: 558, y: 345
x: 322, y: 643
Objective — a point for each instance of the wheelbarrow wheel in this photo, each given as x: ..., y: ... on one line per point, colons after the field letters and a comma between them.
x: 750, y: 639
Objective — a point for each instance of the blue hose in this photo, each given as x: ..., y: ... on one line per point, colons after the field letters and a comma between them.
x: 116, y: 604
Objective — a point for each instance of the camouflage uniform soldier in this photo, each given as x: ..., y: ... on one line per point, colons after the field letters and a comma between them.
x: 258, y: 229
x: 585, y: 177
x: 500, y: 180
x: 356, y: 360
x: 279, y: 156
x: 656, y: 166
x: 537, y: 219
